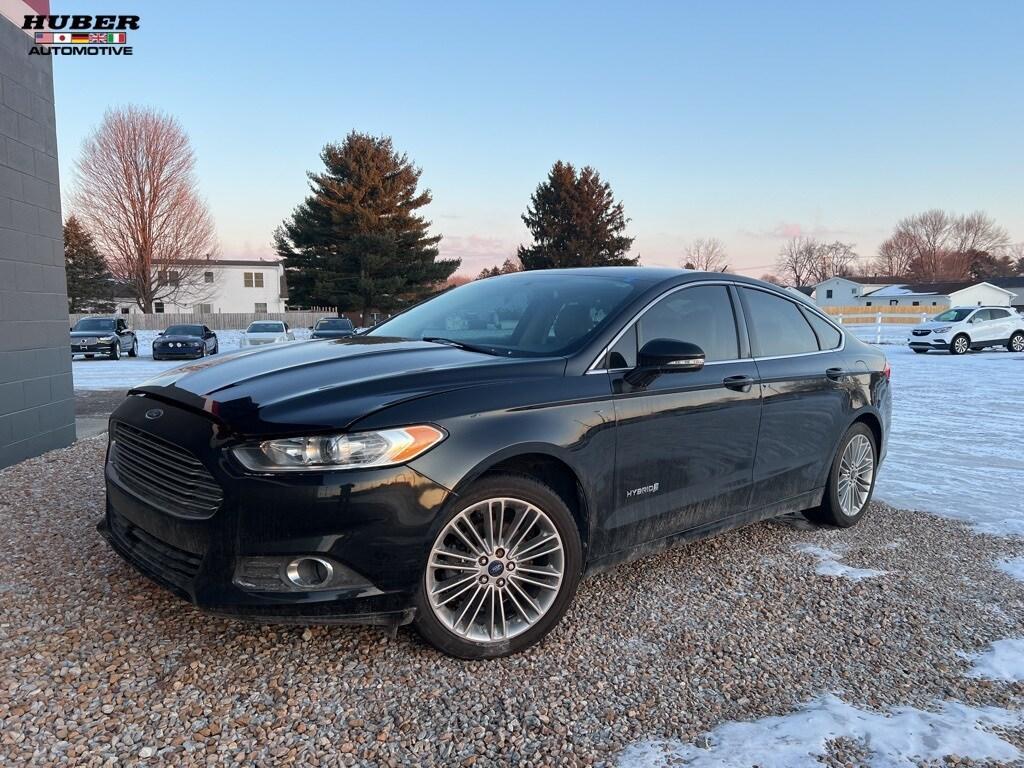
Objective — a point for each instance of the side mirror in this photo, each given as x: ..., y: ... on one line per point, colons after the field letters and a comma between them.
x: 660, y: 356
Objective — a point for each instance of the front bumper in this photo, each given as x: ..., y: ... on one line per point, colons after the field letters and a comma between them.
x: 91, y: 349
x: 185, y: 353
x: 374, y: 525
x: 927, y: 342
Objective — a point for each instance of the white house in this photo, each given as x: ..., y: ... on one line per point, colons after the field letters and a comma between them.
x: 251, y: 285
x: 870, y: 292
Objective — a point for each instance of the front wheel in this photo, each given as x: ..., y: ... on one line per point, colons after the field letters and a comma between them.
x: 960, y: 346
x: 134, y: 351
x: 851, y: 480
x: 1016, y: 342
x: 115, y: 351
x: 501, y: 571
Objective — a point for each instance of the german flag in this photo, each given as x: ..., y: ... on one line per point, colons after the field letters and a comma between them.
x: 80, y: 39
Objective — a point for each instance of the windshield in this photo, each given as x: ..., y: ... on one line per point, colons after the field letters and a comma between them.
x: 184, y: 330
x: 94, y: 324
x: 528, y: 314
x: 265, y: 328
x: 952, y: 315
x: 334, y: 324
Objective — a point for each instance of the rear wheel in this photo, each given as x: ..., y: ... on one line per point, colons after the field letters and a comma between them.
x: 851, y: 480
x: 502, y: 570
x: 1016, y: 342
x: 960, y: 345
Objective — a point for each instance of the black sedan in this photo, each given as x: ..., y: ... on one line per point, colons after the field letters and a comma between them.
x: 185, y: 341
x: 333, y: 328
x: 106, y: 336
x: 463, y: 464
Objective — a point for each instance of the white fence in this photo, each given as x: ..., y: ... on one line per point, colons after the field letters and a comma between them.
x: 225, y: 321
x: 879, y: 320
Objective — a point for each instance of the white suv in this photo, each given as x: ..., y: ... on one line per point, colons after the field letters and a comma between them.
x: 960, y: 329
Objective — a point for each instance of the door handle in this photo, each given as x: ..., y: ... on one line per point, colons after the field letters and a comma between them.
x: 835, y: 373
x: 738, y: 383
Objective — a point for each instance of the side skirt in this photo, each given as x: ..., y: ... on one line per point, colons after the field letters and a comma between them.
x: 799, y: 503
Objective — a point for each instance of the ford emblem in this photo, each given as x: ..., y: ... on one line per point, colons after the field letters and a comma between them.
x: 154, y: 413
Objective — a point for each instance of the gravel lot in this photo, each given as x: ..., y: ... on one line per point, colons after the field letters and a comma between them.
x: 97, y: 665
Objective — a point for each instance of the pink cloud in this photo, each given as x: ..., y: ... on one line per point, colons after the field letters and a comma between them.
x: 476, y: 251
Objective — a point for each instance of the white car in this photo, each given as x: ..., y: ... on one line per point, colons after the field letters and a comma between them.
x: 265, y: 332
x: 960, y: 329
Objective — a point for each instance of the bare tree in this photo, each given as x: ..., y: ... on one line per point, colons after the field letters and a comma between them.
x: 706, y: 254
x: 936, y: 245
x: 895, y: 255
x: 796, y: 261
x: 135, y: 188
x: 831, y: 259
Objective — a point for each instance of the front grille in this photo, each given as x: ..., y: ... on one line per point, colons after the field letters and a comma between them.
x: 173, y: 565
x: 163, y: 474
x: 921, y: 333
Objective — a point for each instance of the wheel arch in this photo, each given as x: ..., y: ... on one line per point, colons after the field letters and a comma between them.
x: 542, y: 464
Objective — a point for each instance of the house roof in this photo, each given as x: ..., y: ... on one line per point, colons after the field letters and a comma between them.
x: 1007, y: 282
x: 225, y: 262
x: 868, y: 279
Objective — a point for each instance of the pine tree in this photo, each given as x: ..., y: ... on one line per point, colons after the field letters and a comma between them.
x: 575, y: 222
x: 356, y: 241
x: 90, y: 287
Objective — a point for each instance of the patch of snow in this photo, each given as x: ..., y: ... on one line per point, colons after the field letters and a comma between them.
x: 128, y: 372
x: 903, y: 736
x: 829, y: 565
x: 1013, y: 567
x: 954, y: 444
x: 1003, y: 661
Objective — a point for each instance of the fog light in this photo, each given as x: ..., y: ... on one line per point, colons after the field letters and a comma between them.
x: 309, y: 572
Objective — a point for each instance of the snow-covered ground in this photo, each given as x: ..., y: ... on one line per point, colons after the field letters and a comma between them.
x: 904, y: 736
x: 102, y: 373
x: 954, y: 446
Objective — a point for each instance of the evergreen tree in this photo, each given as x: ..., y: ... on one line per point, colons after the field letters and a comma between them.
x: 575, y: 222
x: 90, y: 287
x: 357, y: 241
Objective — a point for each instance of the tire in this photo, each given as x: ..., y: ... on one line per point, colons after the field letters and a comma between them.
x: 1016, y: 342
x: 837, y: 508
x: 502, y: 621
x: 157, y: 357
x: 216, y: 348
x: 960, y: 345
x: 921, y: 351
x: 115, y: 351
x: 134, y: 351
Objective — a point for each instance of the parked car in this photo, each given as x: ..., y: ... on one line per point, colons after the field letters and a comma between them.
x: 333, y: 328
x: 265, y: 332
x: 108, y: 336
x: 466, y: 482
x: 185, y: 341
x: 961, y: 329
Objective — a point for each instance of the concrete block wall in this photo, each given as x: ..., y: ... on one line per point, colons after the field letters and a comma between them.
x: 37, y: 410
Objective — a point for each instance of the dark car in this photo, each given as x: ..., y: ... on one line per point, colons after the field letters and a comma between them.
x: 185, y: 341
x: 465, y: 478
x: 109, y: 336
x: 333, y: 328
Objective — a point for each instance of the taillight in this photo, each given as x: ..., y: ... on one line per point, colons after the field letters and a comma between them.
x: 887, y: 371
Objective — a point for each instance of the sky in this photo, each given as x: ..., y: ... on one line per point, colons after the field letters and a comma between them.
x: 747, y: 121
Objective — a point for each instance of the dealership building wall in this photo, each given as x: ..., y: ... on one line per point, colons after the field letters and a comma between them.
x: 37, y: 410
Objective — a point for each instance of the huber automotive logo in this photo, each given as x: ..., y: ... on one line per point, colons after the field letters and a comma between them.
x: 80, y: 35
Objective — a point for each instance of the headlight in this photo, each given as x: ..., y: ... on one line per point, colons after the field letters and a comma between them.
x: 106, y: 339
x: 384, y: 448
x: 944, y: 329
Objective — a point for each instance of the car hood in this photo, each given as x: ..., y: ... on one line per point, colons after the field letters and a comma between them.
x: 90, y: 334
x: 261, y: 336
x: 177, y: 337
x: 332, y: 334
x: 329, y: 384
x: 931, y: 325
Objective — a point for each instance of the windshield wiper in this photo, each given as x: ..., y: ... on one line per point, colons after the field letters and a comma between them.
x: 463, y: 345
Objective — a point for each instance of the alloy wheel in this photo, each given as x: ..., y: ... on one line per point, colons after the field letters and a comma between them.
x: 856, y: 471
x: 1017, y: 343
x: 495, y: 570
x: 960, y: 345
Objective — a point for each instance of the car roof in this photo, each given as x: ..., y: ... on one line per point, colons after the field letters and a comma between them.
x: 648, y: 275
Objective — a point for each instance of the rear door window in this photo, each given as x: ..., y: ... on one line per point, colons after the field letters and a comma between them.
x: 777, y: 326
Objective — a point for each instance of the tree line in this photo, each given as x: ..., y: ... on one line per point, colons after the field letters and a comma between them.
x: 358, y: 240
